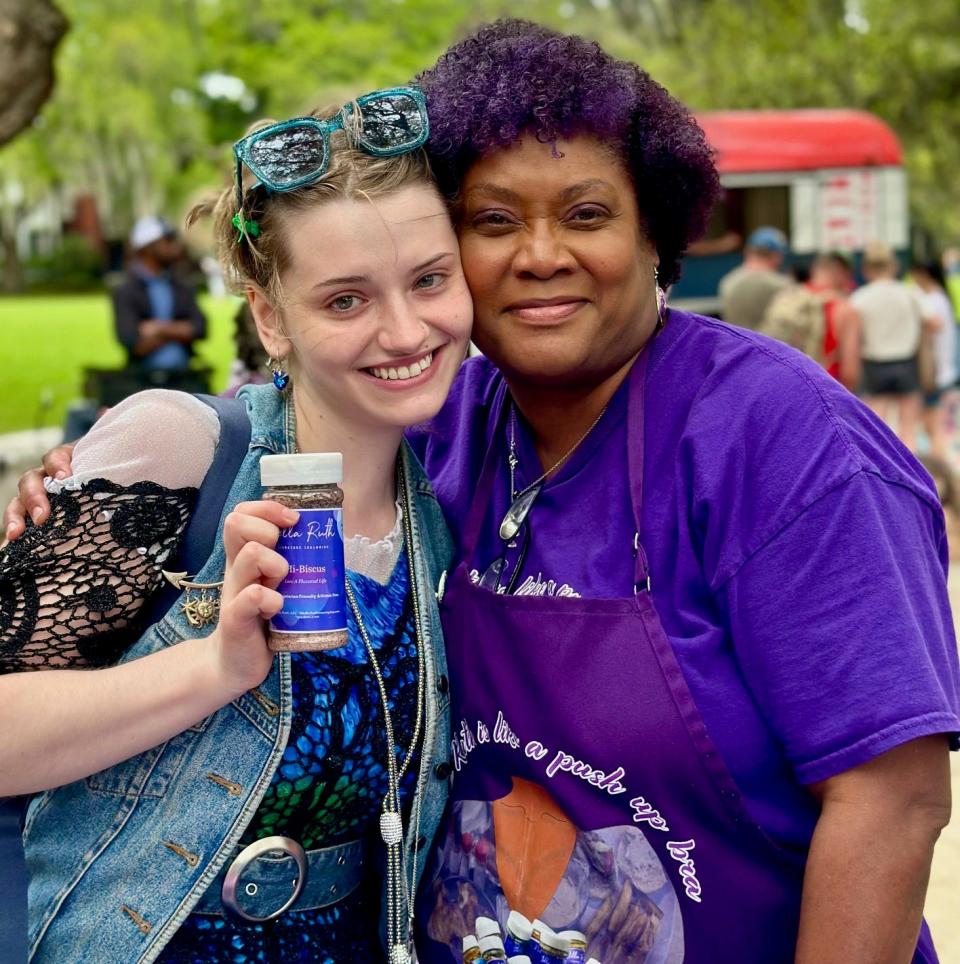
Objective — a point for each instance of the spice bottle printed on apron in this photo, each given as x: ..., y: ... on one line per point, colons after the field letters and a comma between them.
x: 471, y: 949
x: 491, y: 949
x: 578, y: 947
x: 551, y: 949
x: 519, y: 931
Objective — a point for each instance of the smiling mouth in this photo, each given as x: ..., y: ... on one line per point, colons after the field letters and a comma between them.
x: 554, y: 309
x: 402, y: 373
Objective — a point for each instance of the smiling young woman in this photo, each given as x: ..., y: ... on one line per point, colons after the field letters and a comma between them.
x: 226, y: 775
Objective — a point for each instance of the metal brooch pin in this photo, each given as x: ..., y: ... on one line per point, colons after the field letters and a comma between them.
x: 201, y: 601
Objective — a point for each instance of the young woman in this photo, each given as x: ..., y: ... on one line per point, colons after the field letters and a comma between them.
x: 174, y: 765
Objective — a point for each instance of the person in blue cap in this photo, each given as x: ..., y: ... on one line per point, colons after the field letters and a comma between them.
x: 747, y: 290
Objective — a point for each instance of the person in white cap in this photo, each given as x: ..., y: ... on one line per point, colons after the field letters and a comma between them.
x: 156, y: 315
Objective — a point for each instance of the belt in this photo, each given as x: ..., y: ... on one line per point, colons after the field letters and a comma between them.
x: 275, y: 874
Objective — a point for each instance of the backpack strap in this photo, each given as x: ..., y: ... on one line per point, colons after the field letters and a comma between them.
x: 231, y: 450
x: 201, y: 531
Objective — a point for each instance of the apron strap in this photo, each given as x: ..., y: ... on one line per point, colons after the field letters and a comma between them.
x: 635, y: 440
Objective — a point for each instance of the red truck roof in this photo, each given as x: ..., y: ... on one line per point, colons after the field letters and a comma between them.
x: 798, y: 140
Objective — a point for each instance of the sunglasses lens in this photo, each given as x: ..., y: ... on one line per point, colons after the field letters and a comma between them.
x: 391, y: 122
x: 289, y: 156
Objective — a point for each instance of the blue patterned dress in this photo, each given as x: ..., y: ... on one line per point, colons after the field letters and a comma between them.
x: 329, y: 787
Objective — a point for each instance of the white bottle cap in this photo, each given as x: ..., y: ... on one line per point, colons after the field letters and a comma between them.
x: 486, y: 927
x: 519, y: 926
x: 491, y: 943
x: 519, y: 959
x: 307, y: 468
x: 592, y: 960
x: 575, y: 937
x: 470, y: 943
x: 554, y: 942
x: 537, y: 927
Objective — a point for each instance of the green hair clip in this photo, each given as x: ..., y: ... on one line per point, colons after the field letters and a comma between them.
x: 245, y: 229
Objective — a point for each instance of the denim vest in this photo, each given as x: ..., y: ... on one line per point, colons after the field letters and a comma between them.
x: 105, y: 884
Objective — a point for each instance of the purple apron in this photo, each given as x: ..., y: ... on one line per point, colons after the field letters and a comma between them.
x: 587, y: 791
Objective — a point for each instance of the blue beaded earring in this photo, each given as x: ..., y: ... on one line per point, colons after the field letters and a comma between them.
x: 281, y: 378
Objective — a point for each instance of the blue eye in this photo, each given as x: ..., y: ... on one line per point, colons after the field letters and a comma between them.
x: 428, y: 281
x: 344, y: 303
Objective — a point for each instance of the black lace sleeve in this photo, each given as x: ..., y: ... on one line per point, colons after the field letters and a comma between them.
x: 71, y: 588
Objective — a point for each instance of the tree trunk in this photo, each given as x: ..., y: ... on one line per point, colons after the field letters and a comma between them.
x: 12, y: 269
x: 29, y: 33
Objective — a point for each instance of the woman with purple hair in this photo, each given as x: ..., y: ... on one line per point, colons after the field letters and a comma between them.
x: 700, y: 647
x: 702, y: 665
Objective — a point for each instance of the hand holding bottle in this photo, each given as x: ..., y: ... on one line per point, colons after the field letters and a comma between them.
x: 249, y: 596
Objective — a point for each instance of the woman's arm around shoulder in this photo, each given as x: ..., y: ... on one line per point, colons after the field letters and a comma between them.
x: 62, y: 725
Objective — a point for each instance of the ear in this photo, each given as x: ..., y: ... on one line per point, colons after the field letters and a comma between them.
x: 268, y: 321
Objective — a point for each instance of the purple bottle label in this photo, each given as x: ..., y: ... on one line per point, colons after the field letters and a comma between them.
x: 314, y: 599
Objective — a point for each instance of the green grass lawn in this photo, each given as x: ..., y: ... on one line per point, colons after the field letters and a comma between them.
x: 47, y: 341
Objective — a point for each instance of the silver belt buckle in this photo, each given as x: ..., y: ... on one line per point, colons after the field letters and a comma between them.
x: 259, y: 848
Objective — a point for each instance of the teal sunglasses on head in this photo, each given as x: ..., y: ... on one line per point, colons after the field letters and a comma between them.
x: 296, y: 152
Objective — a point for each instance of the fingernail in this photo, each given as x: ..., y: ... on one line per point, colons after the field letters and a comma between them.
x: 35, y: 514
x: 291, y: 515
x: 60, y: 474
x: 11, y: 529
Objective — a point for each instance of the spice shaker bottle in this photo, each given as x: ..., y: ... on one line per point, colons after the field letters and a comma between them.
x: 314, y: 614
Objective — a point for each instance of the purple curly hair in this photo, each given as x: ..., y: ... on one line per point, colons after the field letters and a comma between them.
x: 514, y: 77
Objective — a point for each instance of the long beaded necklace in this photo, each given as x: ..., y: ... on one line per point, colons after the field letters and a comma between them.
x: 399, y: 893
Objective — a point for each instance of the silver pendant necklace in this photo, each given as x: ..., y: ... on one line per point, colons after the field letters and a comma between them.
x: 522, y: 501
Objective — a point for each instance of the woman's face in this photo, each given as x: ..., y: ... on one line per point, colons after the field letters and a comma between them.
x: 561, y: 271
x: 376, y: 311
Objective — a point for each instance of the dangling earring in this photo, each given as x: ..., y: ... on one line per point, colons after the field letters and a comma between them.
x: 281, y: 378
x: 661, y: 299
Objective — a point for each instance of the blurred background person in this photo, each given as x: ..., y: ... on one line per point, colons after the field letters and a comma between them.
x: 156, y: 314
x: 937, y: 404
x: 893, y: 315
x: 746, y: 291
x: 831, y: 275
x: 814, y: 316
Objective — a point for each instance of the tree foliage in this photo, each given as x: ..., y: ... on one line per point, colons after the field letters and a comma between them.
x: 152, y: 94
x: 900, y: 61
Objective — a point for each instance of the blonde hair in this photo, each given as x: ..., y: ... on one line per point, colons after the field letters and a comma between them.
x: 352, y: 174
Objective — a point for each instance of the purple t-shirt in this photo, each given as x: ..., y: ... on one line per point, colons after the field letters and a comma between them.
x: 797, y: 552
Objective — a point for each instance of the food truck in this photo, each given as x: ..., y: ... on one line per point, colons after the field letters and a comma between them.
x: 831, y: 180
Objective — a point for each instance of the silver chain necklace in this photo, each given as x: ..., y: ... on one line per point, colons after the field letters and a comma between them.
x: 399, y: 893
x: 522, y: 501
